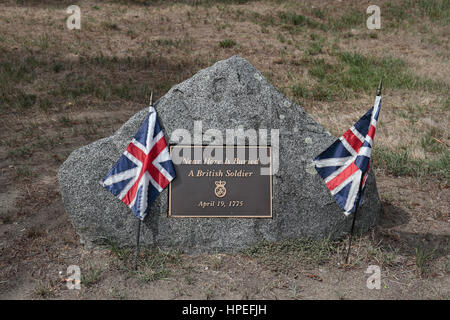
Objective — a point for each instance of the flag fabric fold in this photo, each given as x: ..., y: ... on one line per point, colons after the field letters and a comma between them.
x: 346, y: 161
x: 144, y: 169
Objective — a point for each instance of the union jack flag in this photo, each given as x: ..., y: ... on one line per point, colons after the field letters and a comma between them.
x: 347, y: 160
x: 144, y: 169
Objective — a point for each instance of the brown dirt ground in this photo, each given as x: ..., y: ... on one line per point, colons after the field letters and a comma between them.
x: 37, y: 240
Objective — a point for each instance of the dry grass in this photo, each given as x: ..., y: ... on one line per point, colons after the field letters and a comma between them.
x: 62, y: 89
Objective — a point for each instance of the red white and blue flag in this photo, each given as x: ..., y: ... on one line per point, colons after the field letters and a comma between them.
x: 347, y: 160
x: 144, y: 169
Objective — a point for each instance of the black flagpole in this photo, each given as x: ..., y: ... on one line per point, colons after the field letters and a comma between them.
x: 139, y: 222
x: 359, y: 195
x: 354, y: 218
x: 137, y: 243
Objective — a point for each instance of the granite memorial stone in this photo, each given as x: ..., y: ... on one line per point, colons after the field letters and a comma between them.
x: 230, y: 95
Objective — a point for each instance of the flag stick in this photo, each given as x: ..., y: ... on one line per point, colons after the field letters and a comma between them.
x: 354, y: 218
x: 137, y: 244
x: 380, y: 86
x: 138, y: 234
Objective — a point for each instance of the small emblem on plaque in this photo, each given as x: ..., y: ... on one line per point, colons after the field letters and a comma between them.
x: 220, y: 190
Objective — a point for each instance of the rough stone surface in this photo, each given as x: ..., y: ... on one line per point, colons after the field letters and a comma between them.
x: 228, y: 94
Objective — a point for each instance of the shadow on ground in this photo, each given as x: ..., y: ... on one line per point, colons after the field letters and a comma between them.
x: 408, y: 243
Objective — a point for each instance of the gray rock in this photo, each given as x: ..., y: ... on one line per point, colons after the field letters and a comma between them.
x: 228, y: 94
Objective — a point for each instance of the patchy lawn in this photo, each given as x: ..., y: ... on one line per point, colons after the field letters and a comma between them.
x: 61, y: 89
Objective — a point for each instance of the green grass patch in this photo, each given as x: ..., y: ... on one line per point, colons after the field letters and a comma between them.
x: 281, y: 38
x: 91, y: 81
x: 315, y: 48
x: 149, y: 275
x: 294, y: 22
x: 432, y: 141
x: 400, y: 163
x: 320, y: 69
x: 65, y: 121
x: 319, y: 13
x: 166, y: 42
x: 206, y: 3
x: 158, y: 258
x: 292, y: 18
x: 300, y: 91
x: 317, y: 92
x: 20, y: 70
x: 20, y: 152
x: 156, y: 264
x: 13, y: 74
x: 24, y: 100
x: 411, y: 11
x: 363, y: 72
x: 282, y: 254
x: 123, y: 254
x: 423, y: 257
x: 355, y: 72
x: 435, y: 9
x: 227, y: 43
x: 75, y: 85
x: 25, y: 172
x: 44, y: 290
x: 396, y: 11
x: 152, y: 264
x: 290, y: 256
x: 350, y: 19
x: 91, y: 276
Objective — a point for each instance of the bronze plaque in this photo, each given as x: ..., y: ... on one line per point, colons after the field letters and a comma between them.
x: 221, y: 182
